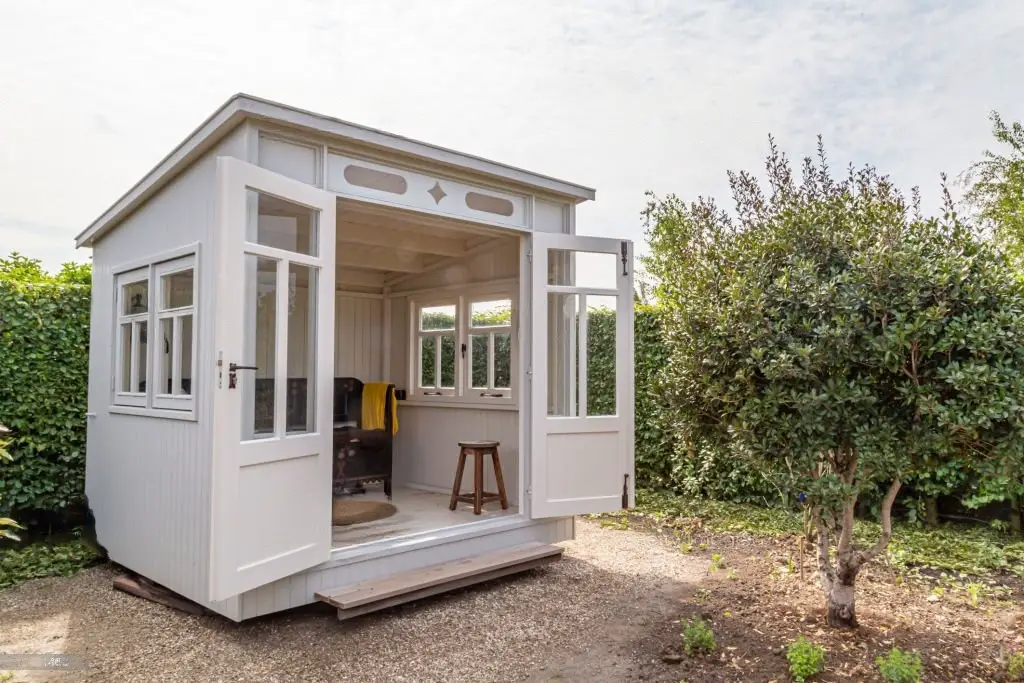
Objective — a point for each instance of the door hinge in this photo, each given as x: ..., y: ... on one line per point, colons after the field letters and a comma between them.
x: 529, y: 256
x: 625, y: 492
x: 625, y: 257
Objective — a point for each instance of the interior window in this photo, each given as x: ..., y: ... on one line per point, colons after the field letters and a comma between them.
x: 490, y: 348
x: 436, y: 341
x: 464, y: 348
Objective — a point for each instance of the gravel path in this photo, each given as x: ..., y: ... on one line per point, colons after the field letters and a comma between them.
x: 577, y: 619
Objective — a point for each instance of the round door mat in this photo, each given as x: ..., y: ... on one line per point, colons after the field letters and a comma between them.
x: 347, y: 510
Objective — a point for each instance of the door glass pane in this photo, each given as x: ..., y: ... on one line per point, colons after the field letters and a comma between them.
x: 601, y: 341
x: 186, y: 356
x: 503, y: 360
x: 259, y: 348
x: 126, y: 357
x: 481, y: 360
x: 428, y: 361
x: 141, y: 356
x: 302, y: 298
x: 279, y: 223
x: 165, y: 356
x: 176, y: 289
x: 437, y: 318
x: 448, y: 362
x: 491, y: 313
x: 563, y: 330
x: 583, y: 269
x: 135, y: 297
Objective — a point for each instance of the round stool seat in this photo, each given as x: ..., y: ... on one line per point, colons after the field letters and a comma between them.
x: 478, y: 444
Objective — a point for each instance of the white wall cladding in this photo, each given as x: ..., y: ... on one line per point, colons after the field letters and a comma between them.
x: 427, y: 446
x: 359, y: 338
x: 361, y: 179
x: 299, y: 589
x: 147, y: 478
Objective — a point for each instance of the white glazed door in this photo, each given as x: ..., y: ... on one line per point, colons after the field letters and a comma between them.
x: 271, y: 495
x: 581, y: 375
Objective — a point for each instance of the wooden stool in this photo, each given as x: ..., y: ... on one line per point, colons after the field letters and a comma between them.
x: 478, y: 449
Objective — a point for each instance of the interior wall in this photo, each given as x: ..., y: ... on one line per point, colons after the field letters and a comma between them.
x: 358, y: 337
x: 427, y: 446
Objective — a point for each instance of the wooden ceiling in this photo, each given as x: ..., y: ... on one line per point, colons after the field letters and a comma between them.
x: 382, y: 246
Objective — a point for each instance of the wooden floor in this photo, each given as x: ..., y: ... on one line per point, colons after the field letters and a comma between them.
x: 417, y: 511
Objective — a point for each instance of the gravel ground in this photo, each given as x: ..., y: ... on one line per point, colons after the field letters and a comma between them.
x: 579, y: 619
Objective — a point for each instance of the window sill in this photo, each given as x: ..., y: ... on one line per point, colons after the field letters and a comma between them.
x: 184, y: 415
x: 461, y: 404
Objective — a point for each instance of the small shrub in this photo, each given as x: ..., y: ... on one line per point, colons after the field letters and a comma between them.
x: 698, y: 638
x: 805, y: 659
x: 900, y: 667
x: 1015, y: 668
x: 40, y: 560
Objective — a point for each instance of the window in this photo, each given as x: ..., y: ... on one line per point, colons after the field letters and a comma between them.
x: 132, y: 325
x: 464, y: 349
x: 490, y: 348
x: 438, y: 332
x: 156, y: 334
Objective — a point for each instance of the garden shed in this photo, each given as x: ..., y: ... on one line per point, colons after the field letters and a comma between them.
x: 301, y: 326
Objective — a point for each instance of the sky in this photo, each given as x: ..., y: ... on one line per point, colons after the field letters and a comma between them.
x: 623, y: 96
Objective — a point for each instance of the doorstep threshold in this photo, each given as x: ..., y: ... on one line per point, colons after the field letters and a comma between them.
x: 422, y: 539
x: 375, y: 594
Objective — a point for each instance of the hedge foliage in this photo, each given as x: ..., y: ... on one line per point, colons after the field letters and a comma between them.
x: 44, y: 342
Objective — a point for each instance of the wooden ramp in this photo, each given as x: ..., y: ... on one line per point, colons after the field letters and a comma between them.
x: 376, y: 594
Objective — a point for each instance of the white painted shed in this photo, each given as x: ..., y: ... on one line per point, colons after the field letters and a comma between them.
x: 276, y: 250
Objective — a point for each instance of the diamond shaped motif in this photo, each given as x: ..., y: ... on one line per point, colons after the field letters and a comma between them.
x: 437, y: 193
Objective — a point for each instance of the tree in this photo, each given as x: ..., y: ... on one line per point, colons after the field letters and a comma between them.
x: 995, y: 186
x: 840, y: 341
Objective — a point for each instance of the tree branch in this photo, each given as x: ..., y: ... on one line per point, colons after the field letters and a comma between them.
x: 883, y: 540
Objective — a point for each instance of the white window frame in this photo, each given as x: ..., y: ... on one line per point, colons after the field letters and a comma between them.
x: 463, y: 393
x: 122, y: 397
x: 175, y: 400
x: 151, y: 270
x: 418, y: 335
x: 490, y: 393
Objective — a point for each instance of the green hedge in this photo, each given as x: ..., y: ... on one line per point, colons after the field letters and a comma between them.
x: 44, y: 342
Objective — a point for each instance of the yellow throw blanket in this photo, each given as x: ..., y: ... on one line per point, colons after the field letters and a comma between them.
x: 374, y: 397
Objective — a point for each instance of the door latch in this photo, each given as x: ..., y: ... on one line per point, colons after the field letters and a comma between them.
x: 625, y: 492
x: 625, y: 257
x: 233, y: 369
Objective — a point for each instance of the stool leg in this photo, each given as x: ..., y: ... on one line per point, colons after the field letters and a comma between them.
x: 500, y: 480
x: 458, y: 479
x: 478, y: 481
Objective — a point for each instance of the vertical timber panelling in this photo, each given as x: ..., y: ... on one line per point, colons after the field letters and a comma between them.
x: 148, y: 479
x: 427, y: 449
x: 358, y: 338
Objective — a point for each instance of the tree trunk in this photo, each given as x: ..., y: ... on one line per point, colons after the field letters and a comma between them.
x: 931, y: 511
x: 841, y: 598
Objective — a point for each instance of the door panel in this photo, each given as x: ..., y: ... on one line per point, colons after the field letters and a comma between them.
x: 582, y: 425
x: 271, y: 497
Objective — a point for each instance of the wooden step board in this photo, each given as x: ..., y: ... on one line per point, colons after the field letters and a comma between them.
x: 388, y: 591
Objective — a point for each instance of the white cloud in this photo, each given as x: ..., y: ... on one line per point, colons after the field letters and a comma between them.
x: 622, y: 96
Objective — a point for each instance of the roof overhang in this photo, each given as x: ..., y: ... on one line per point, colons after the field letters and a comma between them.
x: 241, y: 107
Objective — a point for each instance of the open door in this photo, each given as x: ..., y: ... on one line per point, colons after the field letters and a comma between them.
x: 582, y: 376
x: 274, y: 326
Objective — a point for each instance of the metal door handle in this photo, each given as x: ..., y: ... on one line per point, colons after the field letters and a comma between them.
x: 235, y: 366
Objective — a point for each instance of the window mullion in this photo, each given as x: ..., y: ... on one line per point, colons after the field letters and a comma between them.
x: 175, y: 354
x: 491, y: 361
